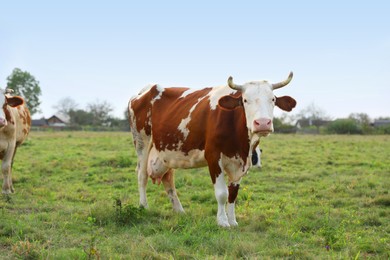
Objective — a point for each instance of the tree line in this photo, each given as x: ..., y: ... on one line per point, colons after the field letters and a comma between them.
x: 319, y: 123
x: 98, y: 114
x: 95, y: 114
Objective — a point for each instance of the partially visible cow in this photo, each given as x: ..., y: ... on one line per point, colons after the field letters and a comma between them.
x: 15, y: 122
x: 256, y: 157
x: 216, y: 127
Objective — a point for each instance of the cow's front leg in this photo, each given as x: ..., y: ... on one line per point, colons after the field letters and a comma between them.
x: 7, y: 181
x: 221, y: 193
x: 233, y: 192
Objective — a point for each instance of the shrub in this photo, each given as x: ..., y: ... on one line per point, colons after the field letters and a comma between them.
x: 343, y: 126
x: 383, y: 130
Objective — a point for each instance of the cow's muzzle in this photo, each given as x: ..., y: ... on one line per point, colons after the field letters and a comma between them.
x: 262, y: 126
x: 3, y: 122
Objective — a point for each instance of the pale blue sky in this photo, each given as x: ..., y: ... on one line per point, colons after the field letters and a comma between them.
x: 339, y: 51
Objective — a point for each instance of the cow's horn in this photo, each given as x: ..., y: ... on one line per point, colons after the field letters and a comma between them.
x: 232, y: 85
x: 9, y: 91
x: 283, y: 83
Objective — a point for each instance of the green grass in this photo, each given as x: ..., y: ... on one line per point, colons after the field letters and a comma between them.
x: 315, y: 197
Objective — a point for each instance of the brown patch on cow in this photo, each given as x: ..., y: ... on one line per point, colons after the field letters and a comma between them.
x: 168, y: 113
x: 229, y: 132
x: 226, y: 133
x: 285, y: 103
x: 233, y: 191
x: 198, y: 126
x: 214, y: 168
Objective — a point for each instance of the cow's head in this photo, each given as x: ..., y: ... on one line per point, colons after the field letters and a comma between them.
x: 5, y: 101
x: 258, y: 101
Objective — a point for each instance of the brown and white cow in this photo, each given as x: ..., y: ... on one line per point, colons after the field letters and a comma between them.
x: 15, y: 122
x: 216, y: 127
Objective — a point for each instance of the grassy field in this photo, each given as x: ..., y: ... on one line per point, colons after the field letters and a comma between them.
x: 315, y: 197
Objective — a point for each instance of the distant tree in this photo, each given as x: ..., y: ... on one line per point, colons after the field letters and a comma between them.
x: 121, y: 124
x: 363, y: 120
x: 312, y: 112
x: 382, y: 118
x: 126, y: 114
x: 65, y: 106
x: 24, y: 84
x: 344, y: 126
x: 100, y: 112
x: 80, y: 117
x: 283, y: 124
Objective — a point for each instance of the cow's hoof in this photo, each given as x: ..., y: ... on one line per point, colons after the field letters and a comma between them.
x: 233, y: 223
x: 7, y: 191
x: 223, y: 223
x: 179, y: 210
x: 144, y: 205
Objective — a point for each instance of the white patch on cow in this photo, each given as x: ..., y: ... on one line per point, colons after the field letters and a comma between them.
x: 188, y: 92
x: 146, y: 90
x: 177, y: 159
x: 142, y: 92
x: 216, y: 93
x: 234, y: 167
x: 183, y: 126
x: 160, y: 92
x: 155, y: 168
x: 221, y: 194
x: 231, y: 214
x: 184, y: 122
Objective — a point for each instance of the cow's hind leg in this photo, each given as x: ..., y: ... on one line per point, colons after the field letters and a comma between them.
x: 169, y: 184
x: 143, y: 154
x: 142, y: 182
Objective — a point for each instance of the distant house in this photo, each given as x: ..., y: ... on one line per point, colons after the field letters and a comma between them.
x: 381, y: 122
x: 39, y: 122
x: 54, y: 121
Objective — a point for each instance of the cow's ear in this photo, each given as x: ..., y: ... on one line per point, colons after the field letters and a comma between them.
x: 286, y: 103
x: 230, y: 102
x: 15, y: 101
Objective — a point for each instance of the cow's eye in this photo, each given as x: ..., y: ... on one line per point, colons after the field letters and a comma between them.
x: 274, y: 99
x: 245, y: 101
